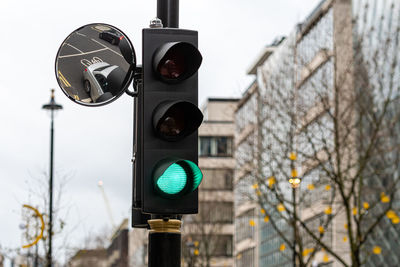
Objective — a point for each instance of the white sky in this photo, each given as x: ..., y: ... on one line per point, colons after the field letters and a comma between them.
x: 95, y: 144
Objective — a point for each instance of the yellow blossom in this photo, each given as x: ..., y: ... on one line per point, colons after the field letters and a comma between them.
x: 354, y: 211
x: 196, y: 252
x: 196, y: 243
x: 345, y: 239
x: 294, y: 173
x: 258, y: 192
x: 396, y: 220
x: 325, y: 258
x: 262, y: 211
x: 292, y: 156
x: 321, y: 229
x: 307, y: 251
x: 327, y: 187
x: 391, y: 214
x: 377, y: 250
x: 252, y: 223
x: 281, y: 208
x: 282, y: 247
x: 255, y: 186
x: 328, y: 210
x: 384, y: 198
x: 310, y: 187
x: 345, y: 226
x: 366, y: 205
x: 266, y: 219
x: 271, y: 181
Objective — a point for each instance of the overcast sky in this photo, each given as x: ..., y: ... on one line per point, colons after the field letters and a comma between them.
x: 93, y: 144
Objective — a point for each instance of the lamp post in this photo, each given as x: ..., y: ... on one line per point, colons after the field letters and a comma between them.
x: 51, y: 106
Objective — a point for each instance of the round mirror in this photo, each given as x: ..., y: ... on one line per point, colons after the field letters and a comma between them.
x: 95, y: 64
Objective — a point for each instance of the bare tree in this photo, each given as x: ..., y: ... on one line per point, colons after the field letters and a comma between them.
x: 325, y: 155
x: 205, y: 238
x: 38, y: 196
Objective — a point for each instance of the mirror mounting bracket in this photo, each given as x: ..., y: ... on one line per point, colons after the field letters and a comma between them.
x: 137, y: 82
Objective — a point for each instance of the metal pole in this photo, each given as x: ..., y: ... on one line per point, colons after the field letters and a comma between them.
x: 168, y: 12
x: 50, y: 230
x: 164, y: 243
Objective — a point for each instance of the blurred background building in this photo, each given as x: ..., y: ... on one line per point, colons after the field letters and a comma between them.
x: 208, y: 236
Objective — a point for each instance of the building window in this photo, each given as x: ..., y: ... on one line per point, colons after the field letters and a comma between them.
x: 215, y: 212
x: 217, y: 179
x: 215, y: 146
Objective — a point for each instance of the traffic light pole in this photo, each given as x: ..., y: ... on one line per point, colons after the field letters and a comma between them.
x: 168, y: 12
x: 165, y: 243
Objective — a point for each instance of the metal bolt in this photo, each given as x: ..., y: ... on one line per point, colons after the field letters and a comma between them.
x: 156, y: 23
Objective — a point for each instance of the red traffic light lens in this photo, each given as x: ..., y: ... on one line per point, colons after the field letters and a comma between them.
x: 176, y: 61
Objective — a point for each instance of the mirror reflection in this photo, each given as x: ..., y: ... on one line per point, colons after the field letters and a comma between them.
x: 95, y: 64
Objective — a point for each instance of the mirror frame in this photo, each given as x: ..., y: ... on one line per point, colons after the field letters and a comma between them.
x: 128, y: 77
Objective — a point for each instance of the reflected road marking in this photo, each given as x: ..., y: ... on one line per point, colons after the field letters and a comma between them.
x: 62, y: 78
x: 74, y: 47
x: 91, y: 52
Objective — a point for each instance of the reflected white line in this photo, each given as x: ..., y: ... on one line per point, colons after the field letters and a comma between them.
x: 80, y: 34
x: 76, y: 55
x: 107, y: 47
x: 73, y: 47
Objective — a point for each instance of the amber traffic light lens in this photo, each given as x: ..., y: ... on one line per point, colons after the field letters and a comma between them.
x: 172, y: 66
x: 173, y: 122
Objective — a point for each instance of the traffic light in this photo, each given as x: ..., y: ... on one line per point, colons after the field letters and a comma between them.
x: 167, y: 122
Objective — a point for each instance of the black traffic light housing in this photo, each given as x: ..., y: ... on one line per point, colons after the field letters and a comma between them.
x: 167, y: 119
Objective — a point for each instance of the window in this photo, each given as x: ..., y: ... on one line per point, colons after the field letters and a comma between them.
x: 215, y: 146
x: 215, y: 212
x: 217, y: 179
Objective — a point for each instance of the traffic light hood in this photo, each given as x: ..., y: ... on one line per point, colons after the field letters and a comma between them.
x: 174, y: 120
x: 176, y: 61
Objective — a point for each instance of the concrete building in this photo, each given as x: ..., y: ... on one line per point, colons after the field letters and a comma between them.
x: 208, y: 236
x: 297, y: 82
x: 89, y: 257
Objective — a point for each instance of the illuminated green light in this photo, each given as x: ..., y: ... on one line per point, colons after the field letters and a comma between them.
x: 173, y: 180
x: 197, y: 175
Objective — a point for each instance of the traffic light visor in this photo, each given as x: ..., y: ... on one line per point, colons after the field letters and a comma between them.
x: 176, y: 61
x: 173, y: 120
x: 174, y: 177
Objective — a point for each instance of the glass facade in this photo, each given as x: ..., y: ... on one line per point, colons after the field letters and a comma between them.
x: 376, y: 35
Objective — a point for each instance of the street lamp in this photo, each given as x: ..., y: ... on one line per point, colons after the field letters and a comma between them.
x: 52, y: 106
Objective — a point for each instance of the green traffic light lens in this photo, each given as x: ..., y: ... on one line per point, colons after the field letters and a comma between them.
x: 173, y: 180
x: 197, y: 175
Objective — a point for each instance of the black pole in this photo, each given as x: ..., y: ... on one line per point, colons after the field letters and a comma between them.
x: 50, y: 230
x: 164, y: 243
x: 168, y: 12
x: 52, y: 106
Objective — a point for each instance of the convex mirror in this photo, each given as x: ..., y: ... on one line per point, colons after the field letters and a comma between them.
x: 95, y: 64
